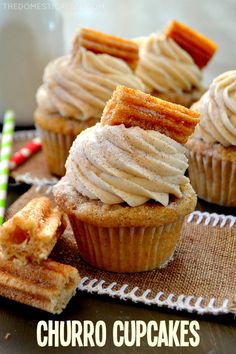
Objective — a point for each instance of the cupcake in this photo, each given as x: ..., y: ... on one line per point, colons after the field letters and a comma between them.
x: 212, y: 149
x: 124, y: 190
x: 171, y: 64
x: 76, y: 87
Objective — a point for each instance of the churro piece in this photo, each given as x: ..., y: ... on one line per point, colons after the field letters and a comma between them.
x: 198, y: 46
x: 48, y: 286
x: 31, y: 234
x: 103, y: 43
x: 135, y: 108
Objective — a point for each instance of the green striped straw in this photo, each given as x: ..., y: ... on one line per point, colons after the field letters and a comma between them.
x: 5, y: 155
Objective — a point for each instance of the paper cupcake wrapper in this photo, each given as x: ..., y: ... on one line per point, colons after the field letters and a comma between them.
x: 126, y: 249
x: 213, y: 179
x: 56, y: 148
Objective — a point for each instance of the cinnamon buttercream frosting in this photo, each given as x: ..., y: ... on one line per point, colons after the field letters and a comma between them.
x: 164, y: 66
x: 78, y: 86
x: 218, y: 111
x: 116, y: 164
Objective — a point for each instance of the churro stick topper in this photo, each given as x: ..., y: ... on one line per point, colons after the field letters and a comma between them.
x: 102, y: 43
x: 135, y: 108
x: 198, y: 46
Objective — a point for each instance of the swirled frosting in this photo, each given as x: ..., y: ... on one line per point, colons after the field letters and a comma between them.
x: 116, y: 164
x: 164, y: 66
x: 79, y: 86
x: 218, y: 111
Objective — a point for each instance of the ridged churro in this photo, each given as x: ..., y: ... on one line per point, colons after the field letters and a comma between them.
x: 31, y: 234
x: 135, y: 108
x: 103, y: 43
x: 48, y: 286
x: 198, y: 46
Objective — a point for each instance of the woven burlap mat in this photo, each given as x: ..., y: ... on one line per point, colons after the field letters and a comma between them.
x: 201, y: 278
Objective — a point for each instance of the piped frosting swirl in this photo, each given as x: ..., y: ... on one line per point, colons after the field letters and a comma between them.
x: 164, y: 66
x: 78, y: 86
x: 116, y: 164
x: 218, y: 111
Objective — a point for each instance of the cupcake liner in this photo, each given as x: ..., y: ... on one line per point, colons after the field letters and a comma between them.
x: 126, y: 249
x: 56, y: 148
x: 213, y: 179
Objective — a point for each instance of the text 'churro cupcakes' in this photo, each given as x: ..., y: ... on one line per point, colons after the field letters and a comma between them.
x: 124, y: 191
x: 171, y: 64
x: 212, y: 148
x: 76, y: 87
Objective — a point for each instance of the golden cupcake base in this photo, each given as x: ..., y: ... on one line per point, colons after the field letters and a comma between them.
x: 57, y: 134
x: 56, y: 148
x: 126, y: 249
x: 120, y: 238
x: 212, y: 172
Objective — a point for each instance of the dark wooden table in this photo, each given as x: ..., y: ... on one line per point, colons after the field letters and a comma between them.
x: 217, y: 333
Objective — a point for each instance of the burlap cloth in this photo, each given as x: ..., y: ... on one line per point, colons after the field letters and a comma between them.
x: 201, y: 278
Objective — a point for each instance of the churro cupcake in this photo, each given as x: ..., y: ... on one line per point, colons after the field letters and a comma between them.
x: 171, y: 64
x: 124, y: 191
x: 76, y: 87
x: 212, y: 149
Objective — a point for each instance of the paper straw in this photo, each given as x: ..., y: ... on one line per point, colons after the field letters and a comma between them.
x: 24, y: 153
x: 5, y: 154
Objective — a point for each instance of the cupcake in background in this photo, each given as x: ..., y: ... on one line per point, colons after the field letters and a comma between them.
x: 76, y: 87
x: 125, y: 191
x: 212, y: 149
x: 171, y: 64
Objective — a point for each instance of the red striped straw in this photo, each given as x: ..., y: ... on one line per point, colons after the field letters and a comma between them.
x: 24, y: 153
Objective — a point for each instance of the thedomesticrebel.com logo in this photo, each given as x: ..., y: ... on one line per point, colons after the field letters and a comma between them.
x: 48, y: 5
x: 133, y: 333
